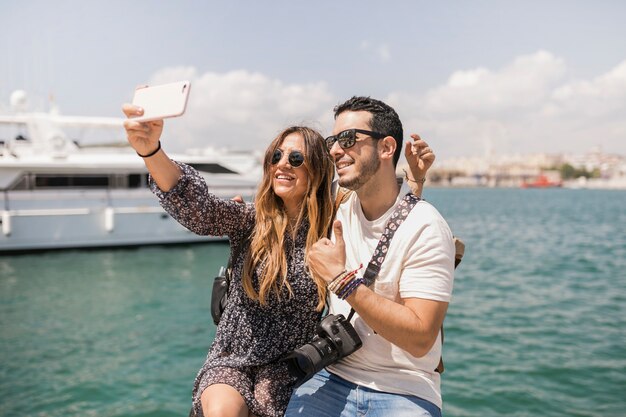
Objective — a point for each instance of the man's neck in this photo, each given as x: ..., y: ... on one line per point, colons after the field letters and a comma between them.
x: 378, y: 195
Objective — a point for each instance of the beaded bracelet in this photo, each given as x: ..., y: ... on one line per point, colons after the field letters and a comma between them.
x: 151, y: 153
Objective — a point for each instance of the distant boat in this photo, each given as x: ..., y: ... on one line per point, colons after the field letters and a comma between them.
x: 56, y: 193
x: 542, y: 181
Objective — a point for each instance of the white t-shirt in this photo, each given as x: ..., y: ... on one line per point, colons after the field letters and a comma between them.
x: 420, y: 264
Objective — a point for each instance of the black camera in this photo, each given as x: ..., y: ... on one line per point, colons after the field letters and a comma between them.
x: 335, y: 339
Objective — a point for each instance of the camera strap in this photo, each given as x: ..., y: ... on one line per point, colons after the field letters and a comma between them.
x: 398, y: 216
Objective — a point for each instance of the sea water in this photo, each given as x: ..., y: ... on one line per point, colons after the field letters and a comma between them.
x: 536, y: 327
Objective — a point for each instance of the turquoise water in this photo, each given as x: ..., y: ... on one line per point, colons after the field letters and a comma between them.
x: 537, y: 325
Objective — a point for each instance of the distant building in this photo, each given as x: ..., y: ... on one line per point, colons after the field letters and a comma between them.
x: 516, y: 170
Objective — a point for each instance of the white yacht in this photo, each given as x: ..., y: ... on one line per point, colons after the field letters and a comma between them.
x: 56, y: 193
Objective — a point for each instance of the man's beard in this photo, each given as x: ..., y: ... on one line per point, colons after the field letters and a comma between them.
x: 368, y: 170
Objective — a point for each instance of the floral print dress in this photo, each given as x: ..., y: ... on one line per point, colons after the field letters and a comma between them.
x: 250, y: 338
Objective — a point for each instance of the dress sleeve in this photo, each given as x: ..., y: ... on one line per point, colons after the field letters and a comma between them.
x: 192, y: 205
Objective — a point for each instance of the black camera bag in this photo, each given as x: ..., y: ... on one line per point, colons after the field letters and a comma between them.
x: 219, y: 295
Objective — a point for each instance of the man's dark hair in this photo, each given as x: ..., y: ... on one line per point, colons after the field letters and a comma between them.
x: 384, y: 118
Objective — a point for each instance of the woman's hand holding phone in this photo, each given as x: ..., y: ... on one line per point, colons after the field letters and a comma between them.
x: 143, y: 136
x: 152, y: 104
x: 145, y: 124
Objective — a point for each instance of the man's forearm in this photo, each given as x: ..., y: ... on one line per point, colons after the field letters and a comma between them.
x: 412, y: 325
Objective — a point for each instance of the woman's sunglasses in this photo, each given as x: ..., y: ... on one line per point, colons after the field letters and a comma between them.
x: 347, y: 138
x: 295, y: 158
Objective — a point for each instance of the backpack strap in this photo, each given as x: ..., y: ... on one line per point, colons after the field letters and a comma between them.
x: 341, y: 195
x: 459, y: 248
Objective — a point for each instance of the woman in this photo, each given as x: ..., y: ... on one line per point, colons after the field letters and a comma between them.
x: 274, y: 303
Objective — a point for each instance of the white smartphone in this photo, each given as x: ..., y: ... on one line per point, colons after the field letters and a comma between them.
x: 162, y: 101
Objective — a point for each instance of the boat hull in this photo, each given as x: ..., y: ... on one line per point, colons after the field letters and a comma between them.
x: 88, y: 219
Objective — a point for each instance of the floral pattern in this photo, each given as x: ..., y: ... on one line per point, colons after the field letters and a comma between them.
x: 250, y: 338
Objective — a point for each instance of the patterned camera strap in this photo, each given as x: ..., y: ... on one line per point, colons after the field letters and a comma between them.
x: 398, y: 216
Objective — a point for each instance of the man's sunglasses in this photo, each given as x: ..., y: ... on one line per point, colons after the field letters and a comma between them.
x: 295, y: 158
x: 347, y: 138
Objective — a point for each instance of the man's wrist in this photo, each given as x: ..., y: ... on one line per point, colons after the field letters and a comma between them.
x: 345, y: 283
x: 419, y: 180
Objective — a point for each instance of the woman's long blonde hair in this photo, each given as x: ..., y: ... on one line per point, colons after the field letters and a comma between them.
x: 267, y: 249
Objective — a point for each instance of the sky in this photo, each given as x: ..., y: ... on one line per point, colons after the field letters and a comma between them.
x: 473, y: 78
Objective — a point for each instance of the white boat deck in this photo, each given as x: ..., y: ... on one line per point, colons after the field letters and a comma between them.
x: 55, y: 194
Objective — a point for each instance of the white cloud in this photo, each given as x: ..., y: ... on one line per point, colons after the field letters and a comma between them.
x: 523, y: 83
x: 529, y: 105
x: 241, y: 109
x: 600, y: 96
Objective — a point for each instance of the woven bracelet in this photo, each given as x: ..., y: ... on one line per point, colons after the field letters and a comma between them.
x: 341, y: 279
x: 350, y: 288
x: 335, y: 282
x: 344, y: 282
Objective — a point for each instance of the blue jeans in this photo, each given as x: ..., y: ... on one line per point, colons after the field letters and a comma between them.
x: 329, y: 395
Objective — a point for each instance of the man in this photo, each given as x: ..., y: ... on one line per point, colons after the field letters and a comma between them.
x: 399, y: 317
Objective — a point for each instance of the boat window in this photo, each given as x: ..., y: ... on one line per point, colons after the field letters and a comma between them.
x: 31, y: 181
x: 137, y: 180
x: 46, y: 181
x: 212, y: 168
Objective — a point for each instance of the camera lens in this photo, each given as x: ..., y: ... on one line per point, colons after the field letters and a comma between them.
x: 306, y: 359
x: 335, y: 339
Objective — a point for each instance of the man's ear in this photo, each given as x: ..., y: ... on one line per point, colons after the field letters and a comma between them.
x: 387, y: 147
